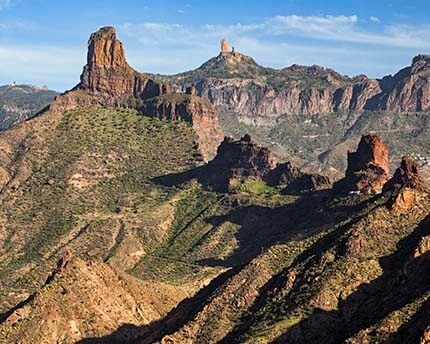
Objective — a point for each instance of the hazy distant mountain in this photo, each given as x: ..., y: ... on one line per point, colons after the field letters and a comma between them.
x: 19, y: 102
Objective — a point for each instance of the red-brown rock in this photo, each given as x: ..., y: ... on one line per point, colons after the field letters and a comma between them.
x: 108, y: 80
x: 192, y: 109
x: 368, y: 167
x: 240, y: 160
x: 108, y: 74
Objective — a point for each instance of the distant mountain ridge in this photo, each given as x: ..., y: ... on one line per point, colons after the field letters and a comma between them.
x: 236, y: 82
x: 19, y: 102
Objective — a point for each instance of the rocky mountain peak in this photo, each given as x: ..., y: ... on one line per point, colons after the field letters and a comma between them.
x: 238, y: 161
x: 105, y: 50
x: 368, y: 167
x: 371, y: 151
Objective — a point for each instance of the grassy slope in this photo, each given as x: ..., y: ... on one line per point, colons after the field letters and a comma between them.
x: 361, y: 279
x: 79, y: 177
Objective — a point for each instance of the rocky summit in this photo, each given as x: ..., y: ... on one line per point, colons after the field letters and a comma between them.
x: 197, y: 208
x: 368, y: 167
x: 108, y: 80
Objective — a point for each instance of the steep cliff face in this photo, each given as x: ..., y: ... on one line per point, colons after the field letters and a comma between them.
x: 256, y: 98
x: 192, y: 109
x: 409, y: 89
x: 235, y: 82
x: 108, y: 74
x: 368, y: 167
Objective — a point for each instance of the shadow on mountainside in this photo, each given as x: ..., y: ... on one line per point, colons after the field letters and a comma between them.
x: 173, y: 321
x: 290, y: 222
x: 404, y: 279
x: 205, y: 175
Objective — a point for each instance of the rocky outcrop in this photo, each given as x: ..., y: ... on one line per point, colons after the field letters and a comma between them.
x: 406, y: 176
x: 108, y: 80
x: 294, y: 179
x: 107, y: 73
x: 406, y: 186
x: 238, y: 161
x: 408, y: 90
x: 192, y: 109
x: 368, y: 167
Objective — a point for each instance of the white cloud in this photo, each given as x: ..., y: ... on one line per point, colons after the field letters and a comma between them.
x: 181, y: 11
x: 324, y: 28
x: 375, y: 19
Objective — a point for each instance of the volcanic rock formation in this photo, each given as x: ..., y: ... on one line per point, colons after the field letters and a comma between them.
x: 108, y: 74
x: 406, y: 176
x: 242, y: 160
x: 406, y: 186
x: 108, y: 80
x: 192, y: 109
x: 368, y: 167
x: 237, y: 161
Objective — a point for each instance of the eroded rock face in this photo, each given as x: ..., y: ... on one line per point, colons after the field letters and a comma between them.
x: 242, y: 160
x: 108, y: 80
x: 406, y: 186
x: 409, y: 89
x: 107, y: 72
x: 368, y: 167
x: 237, y: 161
x: 189, y: 108
x: 252, y: 95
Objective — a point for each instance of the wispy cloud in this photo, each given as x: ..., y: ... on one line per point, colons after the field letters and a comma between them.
x: 375, y: 19
x: 325, y: 28
x: 343, y: 42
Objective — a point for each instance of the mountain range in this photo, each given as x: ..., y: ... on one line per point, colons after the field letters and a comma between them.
x: 230, y: 204
x: 20, y: 102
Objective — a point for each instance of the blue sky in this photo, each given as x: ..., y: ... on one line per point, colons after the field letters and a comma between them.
x: 43, y: 42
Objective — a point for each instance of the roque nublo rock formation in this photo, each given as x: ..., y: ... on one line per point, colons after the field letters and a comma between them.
x: 108, y: 80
